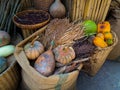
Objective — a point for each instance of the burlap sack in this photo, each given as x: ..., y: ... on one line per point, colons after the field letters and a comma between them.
x: 34, y: 80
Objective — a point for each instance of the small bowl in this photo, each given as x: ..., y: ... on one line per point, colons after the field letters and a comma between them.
x: 26, y: 20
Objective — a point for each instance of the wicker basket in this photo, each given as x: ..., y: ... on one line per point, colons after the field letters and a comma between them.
x: 98, y: 58
x: 27, y: 30
x: 34, y: 80
x: 42, y: 4
x: 10, y: 78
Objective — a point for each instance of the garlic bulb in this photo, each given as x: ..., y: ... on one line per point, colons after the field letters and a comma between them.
x: 57, y: 9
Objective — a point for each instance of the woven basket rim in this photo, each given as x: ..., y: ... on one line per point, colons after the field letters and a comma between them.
x: 34, y: 26
x: 9, y: 67
x: 43, y: 4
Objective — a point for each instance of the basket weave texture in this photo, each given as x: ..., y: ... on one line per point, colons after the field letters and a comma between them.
x: 34, y: 80
x: 42, y: 4
x: 10, y: 78
x: 34, y: 26
x: 98, y: 58
x: 27, y: 30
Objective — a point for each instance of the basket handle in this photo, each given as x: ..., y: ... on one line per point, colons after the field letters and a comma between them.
x: 21, y: 58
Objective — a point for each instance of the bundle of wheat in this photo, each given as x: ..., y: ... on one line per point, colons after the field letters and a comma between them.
x: 62, y: 32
